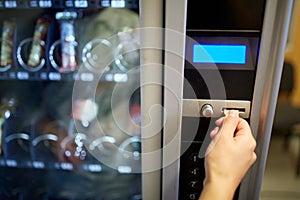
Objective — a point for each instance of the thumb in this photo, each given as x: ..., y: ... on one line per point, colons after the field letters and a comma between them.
x: 230, y: 123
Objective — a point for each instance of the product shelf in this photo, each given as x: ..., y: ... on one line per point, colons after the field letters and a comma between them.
x: 68, y: 4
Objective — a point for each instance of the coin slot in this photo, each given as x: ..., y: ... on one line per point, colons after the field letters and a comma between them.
x: 241, y: 110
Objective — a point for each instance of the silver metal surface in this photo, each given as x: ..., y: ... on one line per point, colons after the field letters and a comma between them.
x: 151, y: 72
x: 269, y: 69
x: 175, y: 29
x: 195, y: 107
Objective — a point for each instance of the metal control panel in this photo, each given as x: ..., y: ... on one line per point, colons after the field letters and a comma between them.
x: 221, y: 56
x: 214, y: 108
x: 230, y: 57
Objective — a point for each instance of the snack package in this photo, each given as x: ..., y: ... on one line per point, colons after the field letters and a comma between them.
x: 38, y: 43
x: 8, y: 33
x: 68, y: 42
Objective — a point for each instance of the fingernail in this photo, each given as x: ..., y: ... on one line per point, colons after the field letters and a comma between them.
x: 214, y: 131
x: 233, y: 113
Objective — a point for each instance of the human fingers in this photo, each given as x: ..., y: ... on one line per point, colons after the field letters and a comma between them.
x: 243, y: 129
x: 243, y: 126
x: 254, y: 157
x: 214, y: 132
x: 230, y: 123
x: 219, y: 121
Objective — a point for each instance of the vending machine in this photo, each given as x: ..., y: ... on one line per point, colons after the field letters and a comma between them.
x: 113, y: 99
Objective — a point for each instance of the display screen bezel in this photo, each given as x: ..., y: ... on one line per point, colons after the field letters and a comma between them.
x: 251, y: 43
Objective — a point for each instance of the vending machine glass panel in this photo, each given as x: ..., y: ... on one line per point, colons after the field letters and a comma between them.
x: 70, y: 100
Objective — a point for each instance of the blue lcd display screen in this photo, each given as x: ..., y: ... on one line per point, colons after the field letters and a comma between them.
x: 219, y: 53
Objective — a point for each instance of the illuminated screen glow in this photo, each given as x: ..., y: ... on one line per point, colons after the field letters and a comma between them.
x: 226, y: 54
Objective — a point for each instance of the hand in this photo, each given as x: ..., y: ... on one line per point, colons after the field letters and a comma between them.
x: 228, y: 157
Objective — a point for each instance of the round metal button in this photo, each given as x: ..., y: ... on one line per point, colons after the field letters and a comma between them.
x: 207, y: 110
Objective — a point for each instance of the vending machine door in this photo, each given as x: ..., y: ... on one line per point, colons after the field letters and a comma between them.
x: 219, y: 55
x: 70, y: 109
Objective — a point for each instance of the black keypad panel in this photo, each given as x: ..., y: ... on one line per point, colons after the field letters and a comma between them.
x: 192, y: 172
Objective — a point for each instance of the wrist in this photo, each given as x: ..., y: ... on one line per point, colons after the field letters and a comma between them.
x: 221, y: 190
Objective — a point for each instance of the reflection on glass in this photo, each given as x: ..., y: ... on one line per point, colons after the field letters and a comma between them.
x: 97, y: 55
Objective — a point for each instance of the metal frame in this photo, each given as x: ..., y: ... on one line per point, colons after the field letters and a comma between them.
x: 175, y: 24
x: 151, y: 95
x: 269, y: 69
